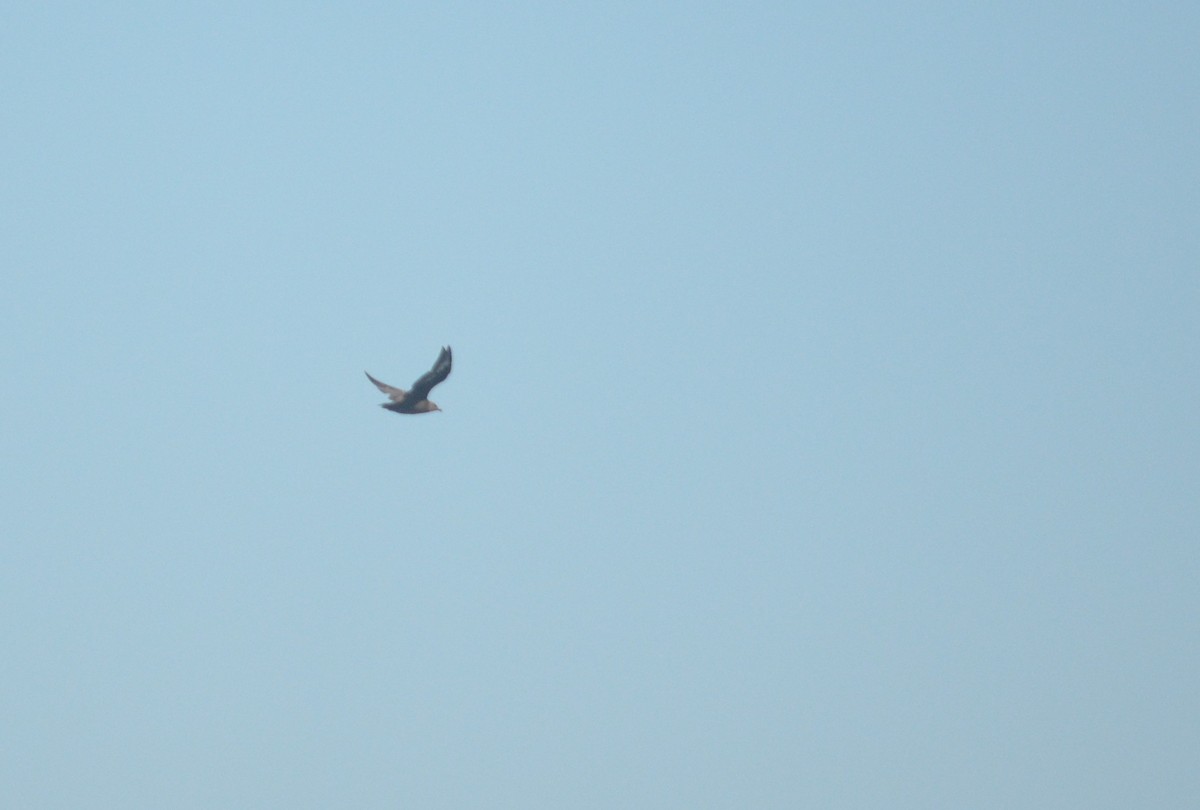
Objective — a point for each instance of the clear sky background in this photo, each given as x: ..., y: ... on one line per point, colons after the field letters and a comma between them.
x: 822, y: 432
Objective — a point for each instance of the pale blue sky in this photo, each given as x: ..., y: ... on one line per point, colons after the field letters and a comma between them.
x: 823, y: 428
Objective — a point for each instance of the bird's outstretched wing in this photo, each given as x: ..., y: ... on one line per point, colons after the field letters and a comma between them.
x: 440, y: 371
x: 394, y: 394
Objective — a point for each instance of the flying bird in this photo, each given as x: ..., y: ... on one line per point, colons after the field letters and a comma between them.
x: 416, y: 399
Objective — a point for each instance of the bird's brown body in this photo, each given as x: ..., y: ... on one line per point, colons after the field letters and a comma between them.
x: 416, y: 399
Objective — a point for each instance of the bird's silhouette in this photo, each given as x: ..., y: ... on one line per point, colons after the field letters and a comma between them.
x: 416, y: 399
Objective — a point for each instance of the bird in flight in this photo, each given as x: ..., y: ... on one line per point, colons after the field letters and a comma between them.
x: 416, y: 399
